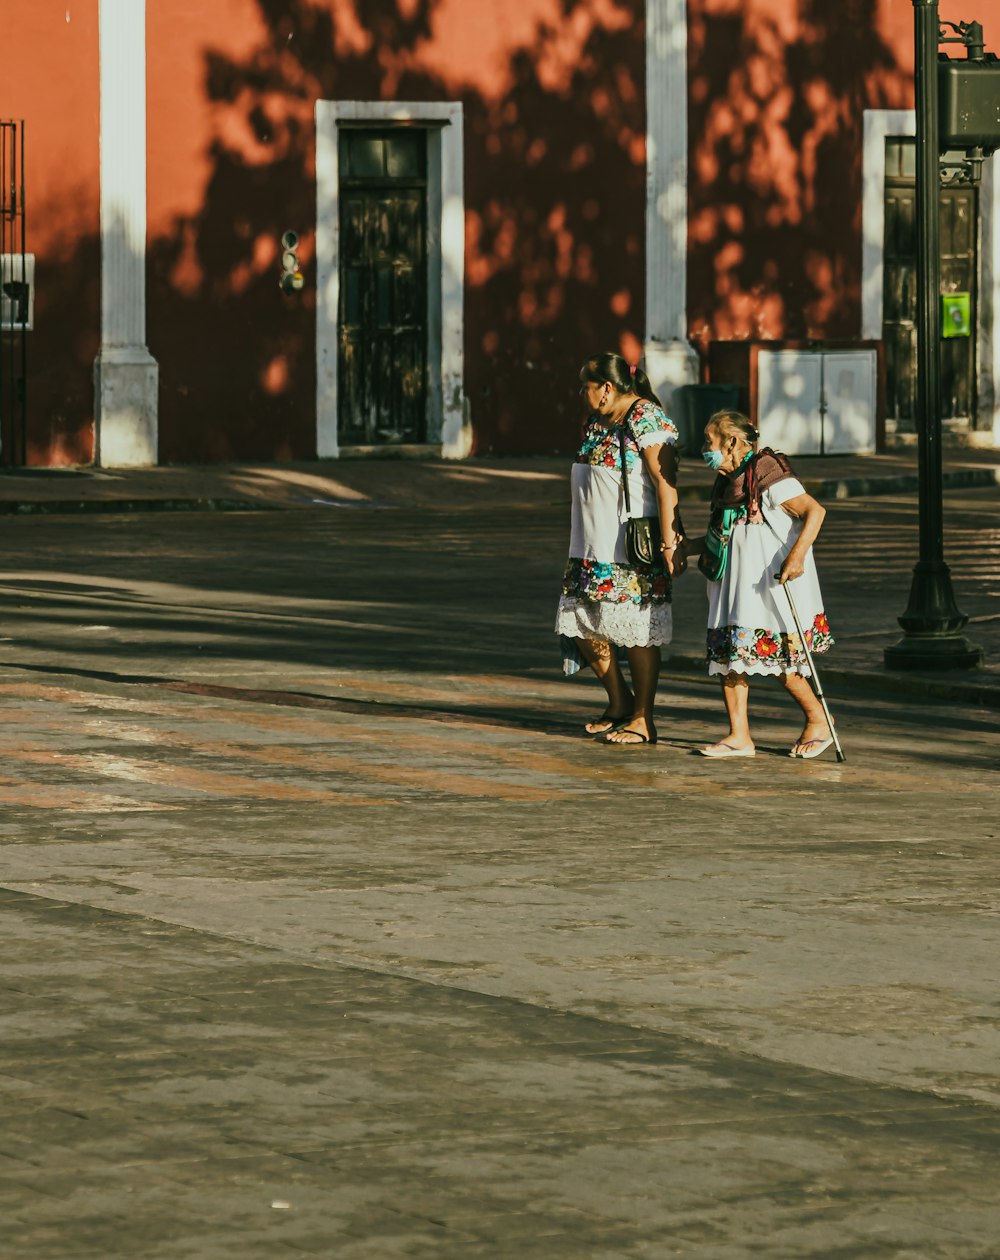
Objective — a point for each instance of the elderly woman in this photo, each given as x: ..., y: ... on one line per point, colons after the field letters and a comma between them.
x: 761, y: 533
x: 609, y: 602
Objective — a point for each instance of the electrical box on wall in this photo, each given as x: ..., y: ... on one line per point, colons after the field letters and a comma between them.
x: 813, y: 401
x: 17, y: 292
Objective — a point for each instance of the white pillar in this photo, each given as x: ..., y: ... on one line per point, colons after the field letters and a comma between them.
x: 670, y: 359
x: 125, y: 374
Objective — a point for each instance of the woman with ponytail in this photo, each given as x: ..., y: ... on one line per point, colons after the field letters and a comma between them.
x: 608, y: 602
x: 760, y: 536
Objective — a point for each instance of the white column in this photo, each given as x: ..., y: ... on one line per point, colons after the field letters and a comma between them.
x: 125, y: 374
x: 879, y: 124
x: 670, y: 359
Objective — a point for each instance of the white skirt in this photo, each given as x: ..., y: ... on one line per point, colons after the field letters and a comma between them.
x: 750, y: 625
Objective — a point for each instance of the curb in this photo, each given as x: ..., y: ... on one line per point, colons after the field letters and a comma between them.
x: 829, y: 488
x: 859, y: 487
x: 981, y: 692
x: 902, y: 483
x: 71, y: 507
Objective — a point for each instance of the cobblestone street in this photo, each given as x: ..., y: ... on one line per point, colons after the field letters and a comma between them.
x: 326, y: 932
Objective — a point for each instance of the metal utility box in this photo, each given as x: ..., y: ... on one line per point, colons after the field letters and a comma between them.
x: 817, y: 402
x: 969, y: 104
x: 17, y: 292
x: 809, y: 398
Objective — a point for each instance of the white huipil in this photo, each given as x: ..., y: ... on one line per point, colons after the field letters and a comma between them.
x: 604, y: 597
x: 750, y: 625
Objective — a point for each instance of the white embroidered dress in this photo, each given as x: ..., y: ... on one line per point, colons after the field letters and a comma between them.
x: 603, y: 596
x: 750, y: 625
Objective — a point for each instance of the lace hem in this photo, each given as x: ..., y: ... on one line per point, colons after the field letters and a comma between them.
x: 771, y: 670
x: 626, y: 625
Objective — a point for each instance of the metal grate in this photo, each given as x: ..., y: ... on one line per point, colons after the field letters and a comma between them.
x: 16, y: 296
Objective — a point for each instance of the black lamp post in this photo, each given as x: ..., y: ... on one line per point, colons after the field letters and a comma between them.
x: 932, y: 623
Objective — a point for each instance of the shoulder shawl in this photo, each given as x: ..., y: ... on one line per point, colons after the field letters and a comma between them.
x: 760, y: 472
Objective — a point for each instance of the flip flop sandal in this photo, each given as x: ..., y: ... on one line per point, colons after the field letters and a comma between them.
x: 815, y: 748
x: 638, y: 741
x: 727, y: 750
x: 607, y: 725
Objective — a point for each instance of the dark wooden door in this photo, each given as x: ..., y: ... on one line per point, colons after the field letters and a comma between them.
x: 382, y: 320
x: 958, y: 274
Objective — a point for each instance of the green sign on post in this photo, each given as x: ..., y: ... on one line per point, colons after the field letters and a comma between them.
x: 956, y: 315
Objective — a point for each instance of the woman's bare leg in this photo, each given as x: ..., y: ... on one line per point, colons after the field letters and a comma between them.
x: 736, y: 693
x: 602, y: 659
x: 644, y: 666
x: 801, y: 691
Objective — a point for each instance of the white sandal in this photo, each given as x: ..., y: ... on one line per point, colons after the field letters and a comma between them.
x: 727, y: 750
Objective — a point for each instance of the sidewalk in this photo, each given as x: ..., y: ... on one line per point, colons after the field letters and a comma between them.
x: 516, y: 482
x: 537, y: 486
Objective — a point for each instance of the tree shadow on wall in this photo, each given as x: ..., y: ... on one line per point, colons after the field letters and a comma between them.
x: 555, y: 207
x: 61, y: 349
x: 775, y: 176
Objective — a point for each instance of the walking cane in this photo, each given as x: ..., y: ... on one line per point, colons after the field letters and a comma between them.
x: 818, y: 686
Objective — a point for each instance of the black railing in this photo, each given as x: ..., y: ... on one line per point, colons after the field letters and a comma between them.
x: 16, y: 297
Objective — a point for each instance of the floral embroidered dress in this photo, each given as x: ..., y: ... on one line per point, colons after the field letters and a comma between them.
x: 750, y: 624
x: 603, y: 596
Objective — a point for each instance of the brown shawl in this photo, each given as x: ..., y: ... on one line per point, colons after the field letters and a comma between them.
x: 743, y: 487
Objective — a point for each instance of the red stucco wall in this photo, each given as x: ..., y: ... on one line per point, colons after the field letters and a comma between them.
x: 778, y: 94
x: 554, y: 168
x: 50, y: 79
x: 554, y: 164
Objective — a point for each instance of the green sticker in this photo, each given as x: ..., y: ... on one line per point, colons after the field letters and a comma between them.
x: 956, y: 315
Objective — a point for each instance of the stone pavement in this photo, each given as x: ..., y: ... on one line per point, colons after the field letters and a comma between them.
x: 326, y: 932
x: 525, y: 481
x: 537, y: 485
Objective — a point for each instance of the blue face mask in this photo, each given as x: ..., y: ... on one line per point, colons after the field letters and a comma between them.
x: 713, y: 459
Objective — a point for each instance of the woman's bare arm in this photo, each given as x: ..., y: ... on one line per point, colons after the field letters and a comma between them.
x: 804, y: 508
x: 661, y: 463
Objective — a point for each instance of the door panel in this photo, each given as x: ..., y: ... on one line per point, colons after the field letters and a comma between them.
x: 383, y: 291
x: 958, y: 270
x: 959, y: 266
x: 849, y: 385
x: 788, y: 398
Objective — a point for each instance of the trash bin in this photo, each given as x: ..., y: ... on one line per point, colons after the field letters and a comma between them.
x: 692, y: 406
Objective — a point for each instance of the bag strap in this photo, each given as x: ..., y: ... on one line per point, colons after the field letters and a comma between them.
x: 752, y: 491
x: 621, y: 450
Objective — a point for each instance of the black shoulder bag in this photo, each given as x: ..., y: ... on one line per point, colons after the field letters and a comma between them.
x: 642, y: 533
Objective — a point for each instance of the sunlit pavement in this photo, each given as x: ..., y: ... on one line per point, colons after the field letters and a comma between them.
x: 326, y: 932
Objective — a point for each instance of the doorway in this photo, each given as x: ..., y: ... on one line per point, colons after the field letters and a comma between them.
x: 382, y: 315
x: 959, y: 269
x: 446, y: 423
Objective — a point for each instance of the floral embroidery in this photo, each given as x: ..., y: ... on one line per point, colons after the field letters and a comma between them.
x: 600, y: 443
x: 616, y: 583
x: 727, y: 644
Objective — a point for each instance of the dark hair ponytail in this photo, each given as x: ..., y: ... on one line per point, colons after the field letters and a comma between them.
x: 622, y: 376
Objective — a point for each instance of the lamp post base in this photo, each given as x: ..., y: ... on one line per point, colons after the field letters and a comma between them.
x: 932, y: 625
x: 917, y: 651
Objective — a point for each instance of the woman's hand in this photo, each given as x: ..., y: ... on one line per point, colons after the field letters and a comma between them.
x: 793, y: 567
x: 675, y: 556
